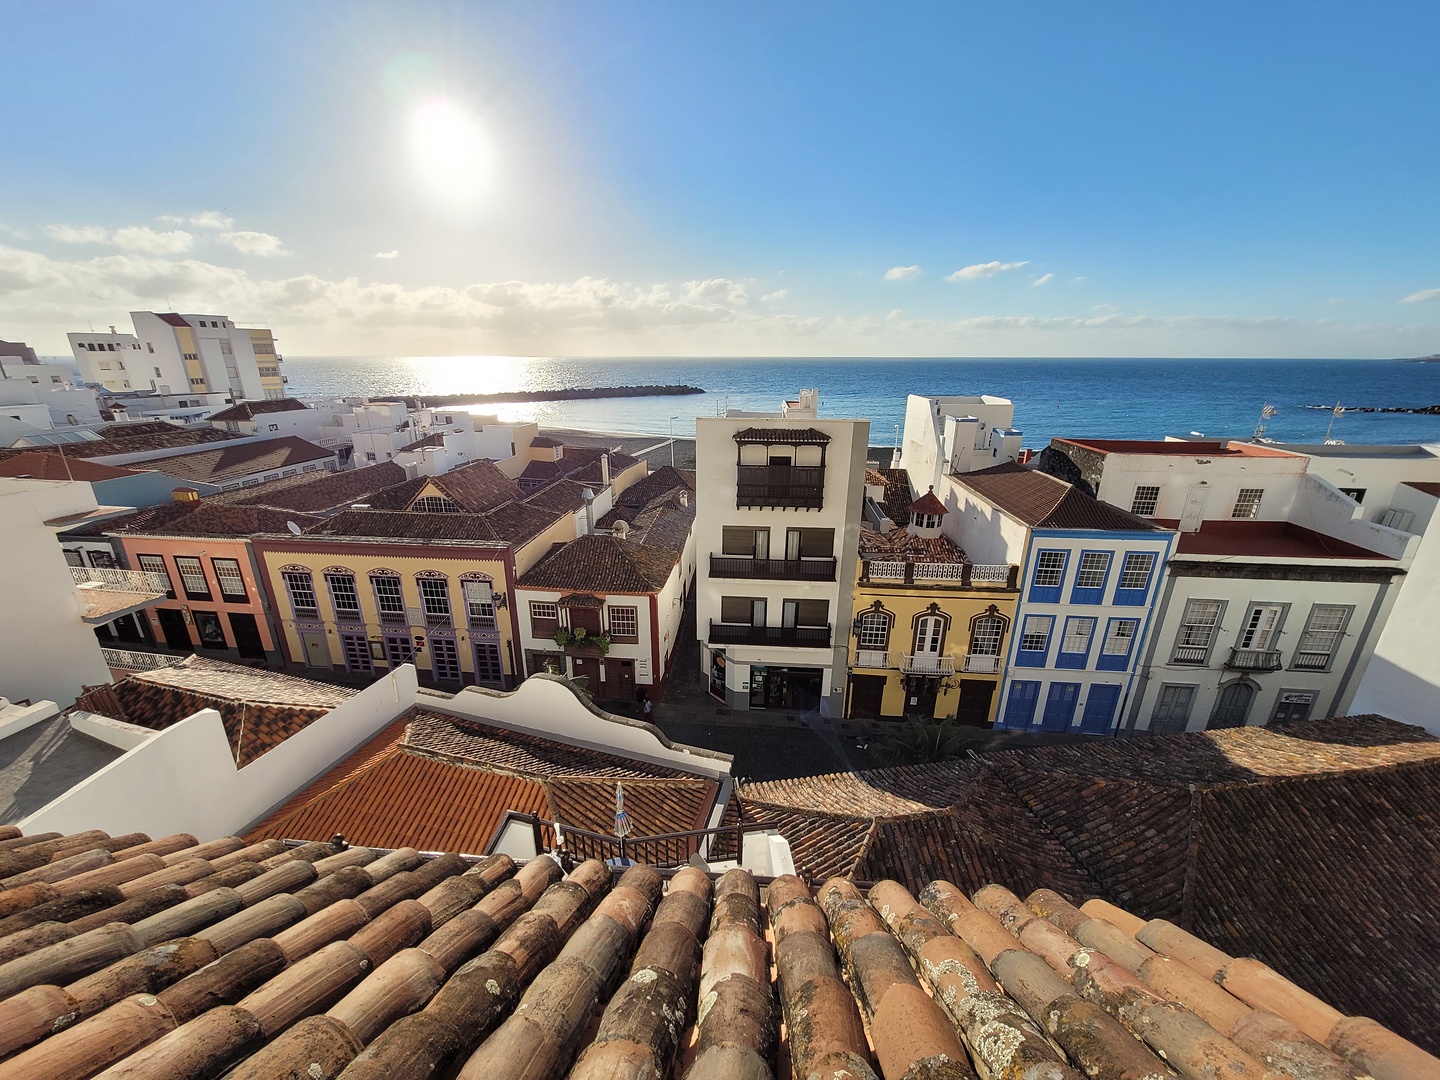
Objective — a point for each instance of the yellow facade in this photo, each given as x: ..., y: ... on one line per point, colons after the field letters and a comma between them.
x: 267, y: 358
x: 190, y: 353
x: 958, y: 680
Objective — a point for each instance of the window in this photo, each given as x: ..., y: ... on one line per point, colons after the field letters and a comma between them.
x: 435, y: 504
x: 1261, y: 625
x: 1049, y: 574
x: 985, y: 635
x: 1090, y: 577
x: 389, y: 600
x: 744, y: 541
x: 744, y: 610
x: 1119, y: 639
x: 479, y: 604
x: 544, y: 619
x: 301, y: 587
x: 624, y: 624
x: 101, y: 560
x: 1172, y: 710
x: 192, y: 577
x: 227, y: 573
x: 155, y: 564
x: 435, y: 599
x: 1075, y: 644
x: 1197, y: 631
x: 1358, y: 494
x: 73, y: 557
x: 925, y: 521
x: 874, y: 630
x: 209, y: 630
x: 344, y: 596
x: 1034, y: 640
x: 444, y: 660
x: 1247, y: 503
x: 809, y: 543
x: 274, y: 427
x: 1134, y: 580
x: 1321, y: 637
x: 369, y: 455
x: 356, y: 650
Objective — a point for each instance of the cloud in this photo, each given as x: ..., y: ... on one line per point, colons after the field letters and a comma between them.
x: 1043, y: 279
x: 147, y: 241
x: 984, y: 270
x: 775, y: 297
x: 900, y: 273
x: 78, y: 234
x: 716, y: 289
x: 387, y: 254
x: 1422, y: 296
x: 253, y: 243
x: 212, y: 219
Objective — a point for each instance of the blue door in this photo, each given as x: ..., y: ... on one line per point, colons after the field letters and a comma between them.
x: 1099, y: 712
x: 1020, y: 706
x: 1060, y: 706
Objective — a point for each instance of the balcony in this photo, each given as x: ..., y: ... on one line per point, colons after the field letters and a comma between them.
x: 981, y: 665
x: 130, y: 660
x: 1190, y: 654
x: 790, y: 637
x: 1311, y: 661
x: 1254, y: 660
x: 966, y: 575
x: 872, y: 658
x: 105, y: 595
x: 800, y: 487
x: 726, y: 566
x: 927, y: 664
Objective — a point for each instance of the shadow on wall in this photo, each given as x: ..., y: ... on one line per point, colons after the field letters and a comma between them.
x: 1398, y: 693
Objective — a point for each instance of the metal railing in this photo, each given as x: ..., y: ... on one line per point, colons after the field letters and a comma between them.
x: 982, y: 664
x: 727, y: 566
x: 1190, y: 654
x: 939, y: 571
x: 127, y: 660
x: 872, y: 658
x: 436, y: 619
x: 799, y: 486
x: 927, y: 664
x: 1254, y: 660
x: 1310, y: 661
x: 990, y: 572
x: 878, y: 570
x: 661, y: 850
x: 798, y: 637
x: 137, y: 581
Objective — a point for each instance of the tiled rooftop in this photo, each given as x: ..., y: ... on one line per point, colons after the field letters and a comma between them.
x: 229, y: 462
x: 45, y: 465
x: 316, y: 494
x: 899, y: 543
x: 130, y: 957
x: 132, y: 439
x: 641, y: 562
x: 212, y: 516
x: 248, y: 410
x: 1264, y: 539
x: 1181, y: 448
x: 1041, y: 501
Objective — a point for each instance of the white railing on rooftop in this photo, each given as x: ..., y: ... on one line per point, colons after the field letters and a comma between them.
x: 930, y: 571
x: 990, y: 572
x: 137, y: 581
x: 885, y: 571
x: 126, y: 660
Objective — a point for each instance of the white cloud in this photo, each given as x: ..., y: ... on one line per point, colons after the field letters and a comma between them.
x: 716, y: 289
x: 387, y: 254
x: 1043, y: 279
x: 1421, y: 296
x: 212, y: 219
x: 147, y: 241
x: 775, y: 297
x: 253, y: 243
x: 900, y: 273
x: 984, y: 270
x: 78, y: 234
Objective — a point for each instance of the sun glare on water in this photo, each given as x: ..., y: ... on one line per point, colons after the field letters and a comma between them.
x: 450, y: 149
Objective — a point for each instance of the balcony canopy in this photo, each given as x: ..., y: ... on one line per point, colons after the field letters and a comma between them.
x: 782, y: 437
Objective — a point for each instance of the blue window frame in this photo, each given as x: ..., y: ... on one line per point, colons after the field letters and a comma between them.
x: 1035, y: 641
x: 1119, y: 643
x: 1048, y: 576
x: 1020, y: 705
x: 1099, y: 714
x: 1092, y: 573
x: 1075, y: 642
x: 1060, y: 706
x: 1133, y: 588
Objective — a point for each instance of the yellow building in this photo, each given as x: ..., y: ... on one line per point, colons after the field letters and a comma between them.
x: 930, y: 627
x: 267, y: 361
x: 425, y: 574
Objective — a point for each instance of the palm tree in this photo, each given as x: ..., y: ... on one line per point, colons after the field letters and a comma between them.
x: 919, y: 740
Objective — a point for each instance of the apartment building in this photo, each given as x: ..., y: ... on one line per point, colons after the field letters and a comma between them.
x: 957, y: 434
x: 777, y: 531
x: 37, y: 397
x: 112, y: 361
x: 1277, y: 587
x: 198, y: 353
x: 930, y: 628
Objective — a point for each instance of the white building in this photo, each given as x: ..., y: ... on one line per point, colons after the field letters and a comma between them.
x: 48, y: 648
x: 956, y: 435
x: 457, y: 438
x: 1277, y: 589
x: 777, y: 530
x: 180, y: 353
x: 114, y: 361
x: 37, y: 397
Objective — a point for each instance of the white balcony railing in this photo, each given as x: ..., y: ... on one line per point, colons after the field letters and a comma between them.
x: 927, y: 664
x: 939, y: 571
x: 886, y: 571
x: 126, y: 660
x: 990, y: 572
x: 137, y: 581
x: 982, y: 665
x: 872, y: 658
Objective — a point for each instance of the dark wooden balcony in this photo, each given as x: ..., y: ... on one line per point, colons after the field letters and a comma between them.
x: 791, y: 637
x: 727, y: 566
x: 1254, y: 660
x: 799, y: 487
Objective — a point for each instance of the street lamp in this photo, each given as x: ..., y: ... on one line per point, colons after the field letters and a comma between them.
x: 672, y: 440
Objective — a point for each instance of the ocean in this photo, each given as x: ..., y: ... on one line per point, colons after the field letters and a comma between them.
x: 1095, y: 398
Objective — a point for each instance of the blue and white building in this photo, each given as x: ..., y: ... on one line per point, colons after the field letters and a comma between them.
x: 1089, y: 576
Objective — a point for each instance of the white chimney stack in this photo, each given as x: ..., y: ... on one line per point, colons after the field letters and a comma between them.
x: 605, y: 469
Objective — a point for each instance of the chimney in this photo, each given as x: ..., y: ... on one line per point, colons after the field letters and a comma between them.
x: 589, y: 497
x: 621, y: 531
x: 605, y: 469
x: 684, y: 498
x: 185, y: 494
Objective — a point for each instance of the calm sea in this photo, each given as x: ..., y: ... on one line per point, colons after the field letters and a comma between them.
x: 1097, y: 398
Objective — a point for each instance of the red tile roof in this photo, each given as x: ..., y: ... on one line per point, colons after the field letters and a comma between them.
x: 204, y: 517
x: 1265, y: 539
x: 1041, y: 501
x: 927, y: 504
x: 1423, y: 485
x: 317, y: 493
x: 642, y: 562
x: 248, y: 410
x: 231, y: 462
x: 1180, y: 448
x: 56, y: 466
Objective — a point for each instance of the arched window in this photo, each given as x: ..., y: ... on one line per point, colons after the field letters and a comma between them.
x: 986, y: 633
x: 875, y: 629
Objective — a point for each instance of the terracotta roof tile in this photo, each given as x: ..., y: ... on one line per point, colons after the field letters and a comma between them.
x: 927, y: 504
x: 248, y: 410
x: 205, y: 517
x: 55, y: 466
x: 117, y: 441
x: 640, y: 563
x: 661, y: 482
x: 655, y: 807
x: 900, y: 543
x: 318, y: 493
x: 229, y: 462
x: 1042, y: 501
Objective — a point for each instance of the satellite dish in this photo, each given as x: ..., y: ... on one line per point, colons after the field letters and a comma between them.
x: 293, y: 527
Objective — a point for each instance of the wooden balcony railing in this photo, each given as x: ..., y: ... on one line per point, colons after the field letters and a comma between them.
x: 795, y: 486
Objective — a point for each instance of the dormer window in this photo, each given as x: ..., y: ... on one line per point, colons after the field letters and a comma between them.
x: 925, y: 521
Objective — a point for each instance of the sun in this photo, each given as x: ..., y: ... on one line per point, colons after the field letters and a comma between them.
x: 451, y: 153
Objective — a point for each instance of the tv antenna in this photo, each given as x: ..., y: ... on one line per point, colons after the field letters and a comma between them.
x: 1266, y: 412
x: 1335, y: 414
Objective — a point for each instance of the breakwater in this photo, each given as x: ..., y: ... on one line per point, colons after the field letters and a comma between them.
x: 431, y: 401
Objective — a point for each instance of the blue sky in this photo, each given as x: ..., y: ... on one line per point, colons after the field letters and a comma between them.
x: 746, y: 179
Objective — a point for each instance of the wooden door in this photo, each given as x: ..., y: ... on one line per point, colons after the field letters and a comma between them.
x: 867, y: 694
x: 975, y: 698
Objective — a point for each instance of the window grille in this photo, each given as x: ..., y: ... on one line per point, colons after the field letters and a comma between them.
x: 1145, y: 500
